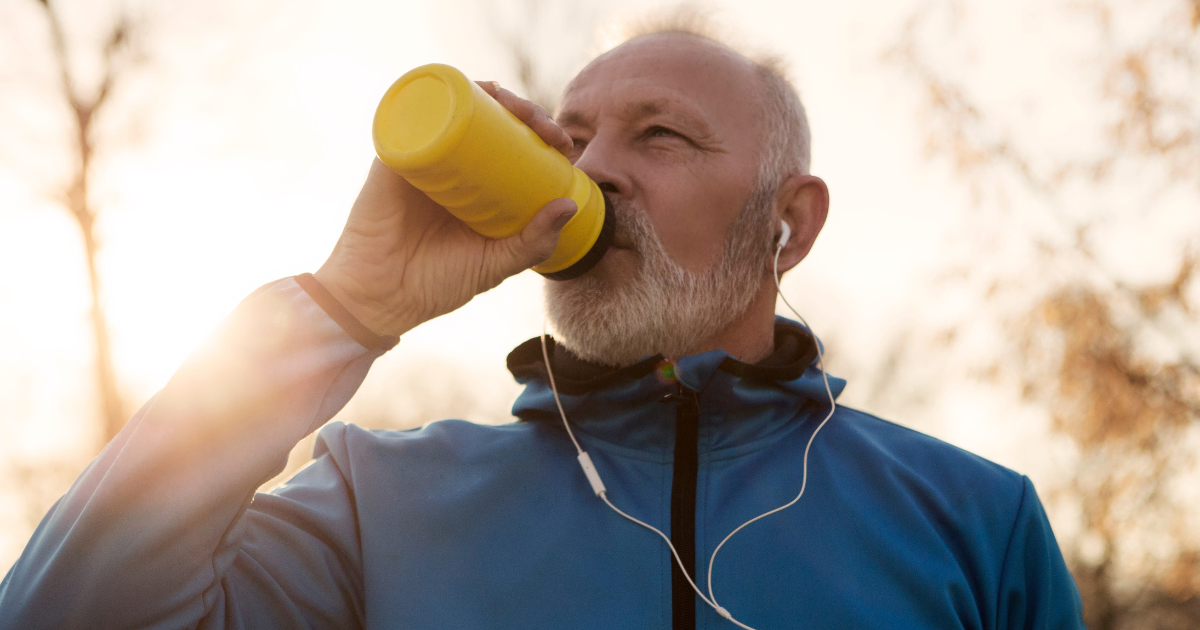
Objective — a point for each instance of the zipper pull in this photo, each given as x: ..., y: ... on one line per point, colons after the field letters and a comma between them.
x: 680, y: 395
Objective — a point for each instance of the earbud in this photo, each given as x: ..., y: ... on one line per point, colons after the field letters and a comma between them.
x: 785, y: 233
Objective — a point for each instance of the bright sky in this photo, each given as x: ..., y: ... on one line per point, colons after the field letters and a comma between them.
x: 249, y: 137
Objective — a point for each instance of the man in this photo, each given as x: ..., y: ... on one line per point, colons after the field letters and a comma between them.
x: 693, y: 400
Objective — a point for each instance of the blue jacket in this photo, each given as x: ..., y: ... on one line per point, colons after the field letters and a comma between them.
x: 458, y: 525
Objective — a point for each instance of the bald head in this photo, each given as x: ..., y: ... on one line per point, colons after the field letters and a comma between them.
x: 677, y: 50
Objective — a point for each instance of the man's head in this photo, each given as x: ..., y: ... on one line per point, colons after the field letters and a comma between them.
x: 703, y: 152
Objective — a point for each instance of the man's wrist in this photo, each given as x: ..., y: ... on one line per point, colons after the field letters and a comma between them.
x: 361, y: 323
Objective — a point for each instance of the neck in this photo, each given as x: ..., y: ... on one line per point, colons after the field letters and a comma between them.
x: 751, y: 337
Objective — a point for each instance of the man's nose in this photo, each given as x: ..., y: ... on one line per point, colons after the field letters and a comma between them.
x: 601, y: 161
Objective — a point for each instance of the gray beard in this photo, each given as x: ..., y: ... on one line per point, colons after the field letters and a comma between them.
x: 664, y: 309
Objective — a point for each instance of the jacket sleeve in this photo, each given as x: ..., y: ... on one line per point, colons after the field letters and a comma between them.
x: 159, y: 530
x: 1037, y: 591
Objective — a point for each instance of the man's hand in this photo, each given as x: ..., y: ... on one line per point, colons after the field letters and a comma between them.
x: 402, y: 259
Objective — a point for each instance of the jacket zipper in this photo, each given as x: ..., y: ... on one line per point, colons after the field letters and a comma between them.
x: 683, y: 505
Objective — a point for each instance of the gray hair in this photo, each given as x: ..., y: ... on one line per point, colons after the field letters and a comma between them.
x: 788, y: 141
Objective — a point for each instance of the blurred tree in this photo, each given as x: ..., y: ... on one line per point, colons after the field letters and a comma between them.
x: 546, y: 42
x: 87, y: 96
x: 1069, y: 187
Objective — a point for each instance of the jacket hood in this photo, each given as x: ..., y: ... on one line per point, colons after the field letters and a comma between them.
x: 741, y: 403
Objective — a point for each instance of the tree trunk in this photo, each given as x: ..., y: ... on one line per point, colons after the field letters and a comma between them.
x: 112, y: 406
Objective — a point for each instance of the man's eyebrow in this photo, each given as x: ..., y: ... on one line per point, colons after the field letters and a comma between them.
x: 673, y: 108
x: 573, y: 118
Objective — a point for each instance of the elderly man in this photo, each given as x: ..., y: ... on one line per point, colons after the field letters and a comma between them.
x: 693, y: 400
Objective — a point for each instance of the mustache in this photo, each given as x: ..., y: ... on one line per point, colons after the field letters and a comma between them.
x: 632, y: 229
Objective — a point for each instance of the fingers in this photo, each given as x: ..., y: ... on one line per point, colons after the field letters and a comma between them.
x: 533, y: 115
x: 539, y: 238
x: 489, y: 86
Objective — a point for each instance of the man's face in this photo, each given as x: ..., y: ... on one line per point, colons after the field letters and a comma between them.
x: 668, y: 123
x: 668, y: 126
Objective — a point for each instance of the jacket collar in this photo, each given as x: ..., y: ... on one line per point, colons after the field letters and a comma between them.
x: 740, y: 403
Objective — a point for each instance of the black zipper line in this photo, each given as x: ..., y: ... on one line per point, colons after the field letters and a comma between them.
x: 683, y: 505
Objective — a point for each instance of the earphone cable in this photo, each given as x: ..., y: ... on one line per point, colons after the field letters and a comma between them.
x: 603, y: 494
x: 554, y: 388
x: 598, y: 485
x: 804, y: 476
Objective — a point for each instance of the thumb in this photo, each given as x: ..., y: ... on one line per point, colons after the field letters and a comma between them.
x: 539, y: 238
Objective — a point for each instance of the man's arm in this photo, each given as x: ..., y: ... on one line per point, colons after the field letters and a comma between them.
x: 156, y: 532
x: 147, y: 535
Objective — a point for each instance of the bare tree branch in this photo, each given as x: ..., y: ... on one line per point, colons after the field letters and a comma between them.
x: 76, y: 196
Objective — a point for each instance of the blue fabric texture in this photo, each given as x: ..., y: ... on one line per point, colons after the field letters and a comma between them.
x: 458, y: 525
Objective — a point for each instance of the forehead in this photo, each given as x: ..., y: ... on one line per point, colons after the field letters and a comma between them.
x: 670, y: 71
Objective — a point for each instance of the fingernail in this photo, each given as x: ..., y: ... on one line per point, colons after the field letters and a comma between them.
x: 495, y: 84
x: 563, y: 219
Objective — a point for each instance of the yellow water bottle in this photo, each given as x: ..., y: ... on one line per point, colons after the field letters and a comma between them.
x: 454, y: 142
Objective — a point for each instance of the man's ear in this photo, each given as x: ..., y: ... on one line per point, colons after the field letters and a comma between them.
x: 803, y: 203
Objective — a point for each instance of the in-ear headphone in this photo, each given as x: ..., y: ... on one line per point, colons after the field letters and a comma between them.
x: 785, y: 232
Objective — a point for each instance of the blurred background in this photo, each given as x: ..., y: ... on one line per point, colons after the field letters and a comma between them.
x: 1009, y: 262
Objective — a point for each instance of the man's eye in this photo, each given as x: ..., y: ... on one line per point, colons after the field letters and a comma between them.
x: 660, y: 132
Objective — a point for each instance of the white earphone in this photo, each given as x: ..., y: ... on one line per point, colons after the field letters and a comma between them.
x: 593, y: 476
